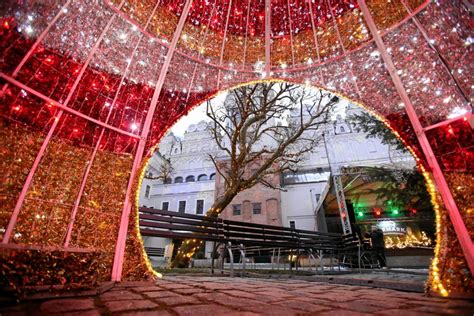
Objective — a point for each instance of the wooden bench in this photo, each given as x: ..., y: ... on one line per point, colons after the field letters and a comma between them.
x: 247, y: 239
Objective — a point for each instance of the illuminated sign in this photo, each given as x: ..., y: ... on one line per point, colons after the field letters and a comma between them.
x: 392, y: 228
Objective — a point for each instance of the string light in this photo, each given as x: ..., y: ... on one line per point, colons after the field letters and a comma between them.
x: 316, y: 58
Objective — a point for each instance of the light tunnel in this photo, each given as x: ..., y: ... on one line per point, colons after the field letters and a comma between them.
x: 89, y: 87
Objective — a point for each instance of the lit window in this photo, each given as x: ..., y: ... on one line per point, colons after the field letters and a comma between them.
x: 305, y: 176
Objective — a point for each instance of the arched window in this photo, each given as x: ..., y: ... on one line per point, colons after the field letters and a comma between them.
x: 190, y: 179
x: 178, y: 180
x: 202, y: 177
x: 212, y: 176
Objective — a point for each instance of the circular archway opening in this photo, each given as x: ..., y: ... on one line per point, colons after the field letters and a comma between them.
x: 345, y: 172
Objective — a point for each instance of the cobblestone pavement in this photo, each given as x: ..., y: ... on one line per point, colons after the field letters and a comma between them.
x: 194, y: 296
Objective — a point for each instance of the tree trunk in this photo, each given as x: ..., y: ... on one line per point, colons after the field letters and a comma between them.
x: 188, y: 247
x: 220, y: 203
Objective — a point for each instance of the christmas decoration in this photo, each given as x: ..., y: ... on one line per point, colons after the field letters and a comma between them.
x: 91, y: 69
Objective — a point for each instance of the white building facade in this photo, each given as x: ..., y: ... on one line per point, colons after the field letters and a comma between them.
x: 191, y: 186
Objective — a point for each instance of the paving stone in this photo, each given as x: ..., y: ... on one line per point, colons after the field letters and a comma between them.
x: 461, y: 304
x: 254, y: 296
x: 91, y: 312
x: 147, y: 313
x: 303, y: 306
x: 189, y: 291
x: 129, y: 305
x: 203, y: 310
x: 134, y: 284
x: 278, y: 294
x: 311, y: 300
x: 227, y: 300
x: 386, y: 303
x: 436, y: 310
x: 428, y: 303
x: 66, y: 305
x: 267, y: 299
x: 177, y: 300
x: 400, y: 312
x: 120, y: 295
x: 159, y: 294
x: 341, y: 312
x: 347, y: 297
x: 239, y: 294
x: 147, y: 288
x: 175, y: 286
x: 217, y: 286
x: 271, y: 310
x: 363, y: 307
x: 246, y: 296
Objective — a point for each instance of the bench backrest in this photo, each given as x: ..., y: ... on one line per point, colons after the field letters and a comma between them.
x: 168, y: 224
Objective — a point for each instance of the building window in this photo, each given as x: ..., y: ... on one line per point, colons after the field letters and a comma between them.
x: 178, y: 180
x: 342, y: 129
x: 190, y: 179
x: 202, y: 177
x: 236, y: 209
x: 306, y: 176
x: 257, y: 208
x: 167, y: 181
x: 212, y: 176
x: 317, y: 197
x: 182, y: 207
x: 292, y: 225
x: 165, y: 206
x: 147, y: 191
x: 199, y: 206
x: 372, y: 147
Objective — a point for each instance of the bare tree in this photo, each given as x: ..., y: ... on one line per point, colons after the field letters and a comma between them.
x: 265, y: 129
x: 165, y: 170
x: 262, y: 129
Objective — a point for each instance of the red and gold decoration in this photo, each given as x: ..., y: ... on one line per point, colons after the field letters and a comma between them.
x: 96, y: 61
x: 26, y: 270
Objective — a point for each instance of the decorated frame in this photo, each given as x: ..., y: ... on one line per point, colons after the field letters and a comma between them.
x: 90, y: 87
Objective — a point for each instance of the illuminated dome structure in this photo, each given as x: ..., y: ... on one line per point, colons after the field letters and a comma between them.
x: 89, y: 87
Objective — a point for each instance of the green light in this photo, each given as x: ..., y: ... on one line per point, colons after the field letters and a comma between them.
x: 360, y: 214
x: 395, y: 212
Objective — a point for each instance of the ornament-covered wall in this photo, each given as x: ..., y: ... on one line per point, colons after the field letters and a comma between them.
x: 78, y: 78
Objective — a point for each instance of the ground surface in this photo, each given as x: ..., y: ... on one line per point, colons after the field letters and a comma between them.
x: 194, y: 296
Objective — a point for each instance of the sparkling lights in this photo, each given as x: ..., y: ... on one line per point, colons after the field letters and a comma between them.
x: 319, y: 43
